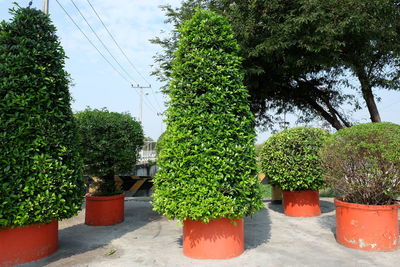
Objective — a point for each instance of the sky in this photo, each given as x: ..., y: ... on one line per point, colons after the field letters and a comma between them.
x: 132, y: 23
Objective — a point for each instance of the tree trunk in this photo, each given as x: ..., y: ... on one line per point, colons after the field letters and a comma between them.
x: 367, y: 94
x: 332, y: 119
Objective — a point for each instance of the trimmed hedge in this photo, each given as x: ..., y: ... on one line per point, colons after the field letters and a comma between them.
x: 110, y: 143
x: 40, y: 175
x: 207, y: 167
x: 290, y: 159
x: 362, y: 163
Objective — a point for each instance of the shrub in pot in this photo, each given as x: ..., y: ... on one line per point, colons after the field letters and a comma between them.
x: 290, y: 160
x: 41, y: 179
x: 207, y: 169
x: 362, y: 163
x: 109, y: 145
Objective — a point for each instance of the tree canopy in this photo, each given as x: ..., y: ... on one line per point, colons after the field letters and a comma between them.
x: 306, y: 55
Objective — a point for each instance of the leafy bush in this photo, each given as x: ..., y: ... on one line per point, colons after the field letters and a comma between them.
x: 362, y: 163
x: 290, y: 159
x: 207, y: 162
x: 159, y: 143
x: 110, y: 143
x: 41, y: 172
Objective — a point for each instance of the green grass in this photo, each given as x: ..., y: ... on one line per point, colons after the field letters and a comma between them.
x: 266, y: 190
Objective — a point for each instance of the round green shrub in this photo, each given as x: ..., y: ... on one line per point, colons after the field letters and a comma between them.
x: 290, y: 159
x: 207, y: 167
x: 110, y: 143
x: 362, y: 163
x: 41, y: 172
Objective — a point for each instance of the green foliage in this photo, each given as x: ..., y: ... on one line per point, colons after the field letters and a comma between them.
x: 159, y: 144
x: 110, y: 143
x: 291, y: 161
x: 207, y: 163
x: 300, y: 55
x: 40, y: 175
x: 362, y: 163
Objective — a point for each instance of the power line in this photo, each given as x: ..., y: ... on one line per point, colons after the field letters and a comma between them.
x: 123, y: 53
x: 102, y: 55
x: 116, y: 43
x: 90, y: 41
x: 102, y: 43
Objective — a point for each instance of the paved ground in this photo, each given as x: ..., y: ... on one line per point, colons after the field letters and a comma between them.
x: 147, y: 239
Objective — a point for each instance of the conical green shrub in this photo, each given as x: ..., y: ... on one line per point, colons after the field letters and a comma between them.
x: 207, y: 163
x: 40, y: 173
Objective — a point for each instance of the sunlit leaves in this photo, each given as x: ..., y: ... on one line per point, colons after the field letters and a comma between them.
x: 207, y: 161
x: 40, y: 169
x: 290, y: 159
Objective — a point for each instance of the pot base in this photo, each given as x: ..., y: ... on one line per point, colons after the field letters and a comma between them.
x: 301, y: 203
x: 29, y: 243
x: 367, y: 227
x: 218, y: 239
x: 103, y: 211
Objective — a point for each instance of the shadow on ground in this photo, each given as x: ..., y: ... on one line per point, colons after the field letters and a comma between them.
x: 329, y: 222
x: 80, y: 238
x: 257, y: 229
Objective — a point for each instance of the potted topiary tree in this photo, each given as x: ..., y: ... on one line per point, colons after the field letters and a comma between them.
x: 41, y: 179
x: 290, y: 161
x: 207, y: 169
x: 109, y: 145
x: 362, y: 163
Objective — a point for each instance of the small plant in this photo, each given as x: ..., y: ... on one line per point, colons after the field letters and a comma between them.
x: 207, y: 167
x: 110, y: 143
x: 362, y: 163
x: 41, y: 176
x: 290, y: 159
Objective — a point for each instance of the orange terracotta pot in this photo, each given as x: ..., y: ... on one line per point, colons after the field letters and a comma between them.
x: 218, y: 239
x: 301, y: 203
x: 29, y: 243
x: 102, y: 211
x: 367, y: 227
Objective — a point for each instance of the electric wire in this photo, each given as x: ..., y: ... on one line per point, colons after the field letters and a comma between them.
x: 149, y: 104
x: 90, y: 41
x: 102, y: 55
x: 123, y: 53
x: 102, y: 43
x: 116, y: 43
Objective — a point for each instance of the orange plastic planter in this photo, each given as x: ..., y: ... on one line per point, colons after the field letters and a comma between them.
x: 29, y: 243
x: 301, y: 203
x: 367, y: 227
x: 101, y: 211
x: 218, y: 239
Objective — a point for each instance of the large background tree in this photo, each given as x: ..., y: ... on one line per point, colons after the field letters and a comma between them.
x: 306, y: 55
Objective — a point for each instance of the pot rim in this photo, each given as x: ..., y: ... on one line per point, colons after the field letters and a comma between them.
x: 299, y: 191
x: 104, y: 198
x: 341, y: 203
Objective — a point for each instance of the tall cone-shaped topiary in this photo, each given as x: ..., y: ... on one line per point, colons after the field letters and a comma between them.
x: 40, y: 174
x: 207, y: 162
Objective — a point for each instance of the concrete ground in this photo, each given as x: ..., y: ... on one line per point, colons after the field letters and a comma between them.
x: 148, y: 239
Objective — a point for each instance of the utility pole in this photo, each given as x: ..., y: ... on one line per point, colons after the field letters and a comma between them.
x: 46, y: 6
x: 141, y: 99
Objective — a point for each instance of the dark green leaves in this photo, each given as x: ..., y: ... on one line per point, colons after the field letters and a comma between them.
x: 207, y: 162
x: 362, y: 163
x: 40, y: 173
x: 110, y: 143
x: 291, y: 161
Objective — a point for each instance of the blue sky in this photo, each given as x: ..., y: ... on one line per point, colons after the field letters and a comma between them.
x: 133, y: 23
